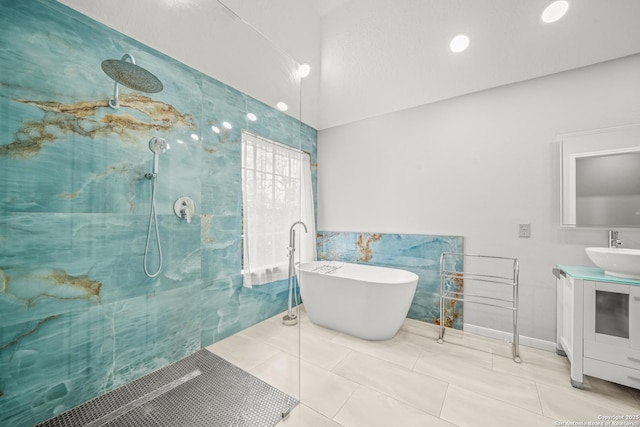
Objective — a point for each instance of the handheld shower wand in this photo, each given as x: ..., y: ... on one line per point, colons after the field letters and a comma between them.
x: 157, y: 146
x: 291, y: 318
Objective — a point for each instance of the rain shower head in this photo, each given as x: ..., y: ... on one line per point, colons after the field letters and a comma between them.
x: 130, y: 75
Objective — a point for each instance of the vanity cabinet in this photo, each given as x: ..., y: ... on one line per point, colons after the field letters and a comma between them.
x: 598, y: 325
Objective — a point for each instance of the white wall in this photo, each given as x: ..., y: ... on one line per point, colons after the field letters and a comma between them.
x: 477, y: 166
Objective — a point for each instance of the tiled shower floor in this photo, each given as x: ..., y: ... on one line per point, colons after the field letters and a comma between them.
x: 198, y: 391
x: 411, y: 380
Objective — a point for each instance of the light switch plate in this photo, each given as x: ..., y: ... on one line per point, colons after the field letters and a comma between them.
x: 524, y: 230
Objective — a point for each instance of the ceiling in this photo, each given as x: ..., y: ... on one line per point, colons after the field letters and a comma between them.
x: 372, y: 57
x: 324, y: 7
x: 380, y: 56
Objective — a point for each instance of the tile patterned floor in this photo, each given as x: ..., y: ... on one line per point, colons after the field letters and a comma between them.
x: 411, y: 380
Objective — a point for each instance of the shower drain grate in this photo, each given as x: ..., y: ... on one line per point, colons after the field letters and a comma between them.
x: 200, y: 390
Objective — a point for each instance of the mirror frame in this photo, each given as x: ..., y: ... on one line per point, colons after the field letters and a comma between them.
x: 599, y: 142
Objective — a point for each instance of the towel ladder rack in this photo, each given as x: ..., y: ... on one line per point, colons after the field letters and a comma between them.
x: 450, y: 275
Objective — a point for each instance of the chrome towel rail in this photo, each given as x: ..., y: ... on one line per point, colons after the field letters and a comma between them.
x: 509, y: 277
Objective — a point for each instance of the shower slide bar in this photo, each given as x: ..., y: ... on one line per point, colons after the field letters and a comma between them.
x: 447, y: 277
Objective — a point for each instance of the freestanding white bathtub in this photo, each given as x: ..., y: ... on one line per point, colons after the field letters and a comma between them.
x: 365, y: 301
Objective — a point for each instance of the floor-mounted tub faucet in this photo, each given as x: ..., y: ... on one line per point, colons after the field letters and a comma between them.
x: 614, y: 242
x: 291, y: 318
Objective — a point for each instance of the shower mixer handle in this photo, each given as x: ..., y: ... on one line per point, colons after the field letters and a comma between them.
x: 184, y: 208
x: 185, y: 212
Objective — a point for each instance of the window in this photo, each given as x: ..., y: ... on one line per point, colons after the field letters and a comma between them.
x: 276, y: 192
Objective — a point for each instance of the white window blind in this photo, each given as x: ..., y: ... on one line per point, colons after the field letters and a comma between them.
x: 276, y: 192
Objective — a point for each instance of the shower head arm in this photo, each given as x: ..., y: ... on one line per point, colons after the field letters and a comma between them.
x: 113, y: 103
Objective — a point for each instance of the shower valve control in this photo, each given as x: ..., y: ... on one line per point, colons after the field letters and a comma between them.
x: 184, y: 208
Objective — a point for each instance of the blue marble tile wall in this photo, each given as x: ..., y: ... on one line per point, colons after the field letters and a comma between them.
x: 417, y: 253
x: 78, y: 316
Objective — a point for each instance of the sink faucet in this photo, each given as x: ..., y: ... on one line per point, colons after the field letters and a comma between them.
x: 614, y: 242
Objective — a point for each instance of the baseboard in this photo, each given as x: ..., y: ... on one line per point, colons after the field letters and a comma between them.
x: 506, y: 336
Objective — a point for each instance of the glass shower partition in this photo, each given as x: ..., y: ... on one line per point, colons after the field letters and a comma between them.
x: 266, y: 103
x: 78, y: 316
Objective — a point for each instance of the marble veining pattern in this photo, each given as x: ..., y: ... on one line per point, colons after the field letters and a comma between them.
x: 92, y: 119
x: 78, y: 317
x: 417, y: 253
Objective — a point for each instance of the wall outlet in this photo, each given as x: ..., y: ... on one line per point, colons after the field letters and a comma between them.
x: 524, y: 230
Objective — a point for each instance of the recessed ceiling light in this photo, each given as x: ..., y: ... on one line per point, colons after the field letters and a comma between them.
x: 304, y: 70
x: 252, y: 117
x: 227, y: 125
x: 215, y: 129
x: 282, y: 106
x: 555, y: 11
x: 459, y: 43
x: 194, y: 137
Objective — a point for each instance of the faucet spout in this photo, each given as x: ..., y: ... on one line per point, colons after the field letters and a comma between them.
x: 614, y: 241
x: 292, y: 234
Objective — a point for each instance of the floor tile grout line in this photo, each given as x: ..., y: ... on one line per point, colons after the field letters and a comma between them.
x: 491, y: 371
x: 516, y: 407
x: 377, y: 356
x: 349, y: 350
x: 346, y: 401
x: 396, y: 398
x: 540, y: 400
x: 446, y: 393
x: 342, y: 359
x: 277, y: 350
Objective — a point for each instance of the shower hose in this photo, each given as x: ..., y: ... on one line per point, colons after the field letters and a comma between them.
x: 153, y: 219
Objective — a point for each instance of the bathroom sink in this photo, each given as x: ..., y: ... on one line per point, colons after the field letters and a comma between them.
x: 617, y: 261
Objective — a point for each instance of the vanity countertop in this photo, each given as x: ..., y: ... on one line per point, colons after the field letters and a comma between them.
x: 596, y: 274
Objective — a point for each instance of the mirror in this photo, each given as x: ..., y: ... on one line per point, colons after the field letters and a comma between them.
x: 601, y: 178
